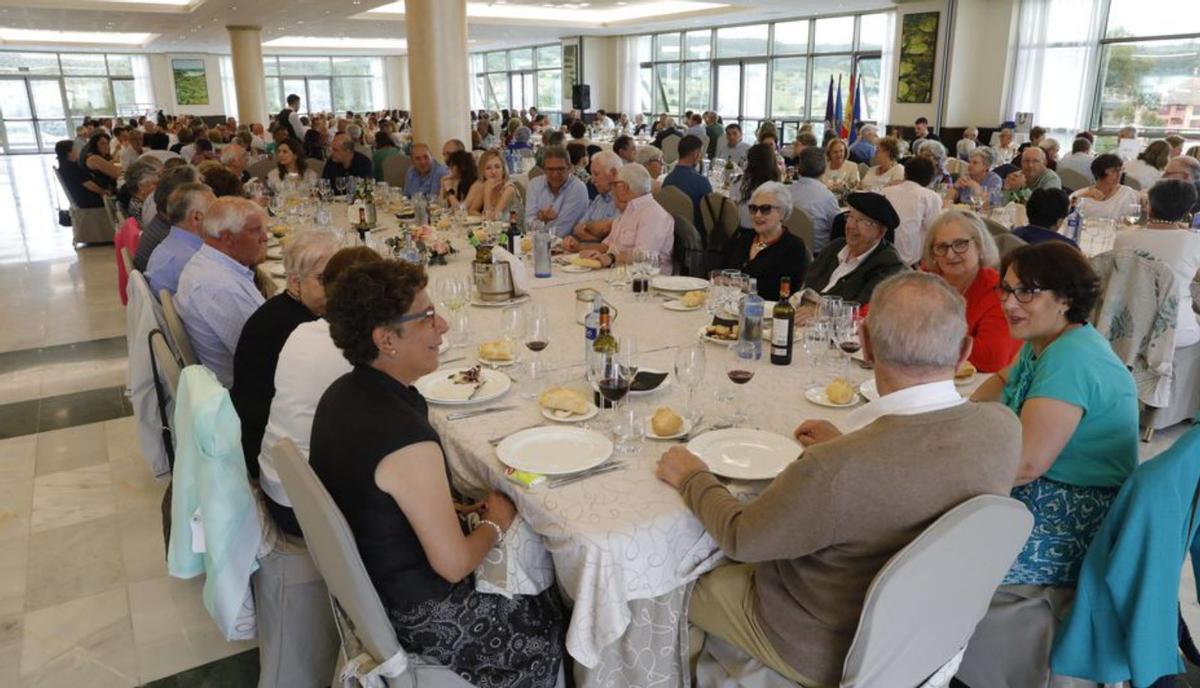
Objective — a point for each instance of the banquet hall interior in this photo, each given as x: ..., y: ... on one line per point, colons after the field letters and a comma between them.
x: 890, y: 349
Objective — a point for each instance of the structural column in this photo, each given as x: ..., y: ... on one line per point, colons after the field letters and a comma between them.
x: 438, y: 71
x: 245, y: 43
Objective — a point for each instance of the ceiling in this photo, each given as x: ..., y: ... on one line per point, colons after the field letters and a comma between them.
x: 200, y: 26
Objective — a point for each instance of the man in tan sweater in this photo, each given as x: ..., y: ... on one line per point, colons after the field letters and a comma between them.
x: 816, y: 537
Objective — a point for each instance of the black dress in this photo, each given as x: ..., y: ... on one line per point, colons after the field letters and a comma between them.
x: 786, y: 257
x: 491, y: 641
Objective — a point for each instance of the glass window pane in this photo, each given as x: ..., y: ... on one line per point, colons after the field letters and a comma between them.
x: 645, y: 88
x: 498, y: 94
x: 1147, y: 17
x: 352, y: 93
x: 497, y: 61
x: 52, y: 131
x: 47, y: 98
x: 549, y: 89
x: 274, y: 97
x: 270, y: 66
x: 754, y: 90
x: 88, y: 97
x: 28, y: 63
x: 319, y: 96
x: 729, y: 84
x: 14, y: 101
x: 666, y: 88
x: 549, y: 56
x: 833, y: 35
x: 739, y: 41
x: 353, y: 66
x: 868, y: 75
x: 296, y: 86
x: 699, y: 44
x: 520, y: 59
x: 872, y: 30
x: 644, y: 52
x: 1151, y: 84
x: 304, y: 66
x: 126, y: 99
x: 120, y: 65
x: 823, y: 68
x: 666, y: 46
x: 695, y: 86
x: 20, y: 136
x: 788, y: 87
x: 791, y: 37
x: 83, y: 64
x: 476, y: 63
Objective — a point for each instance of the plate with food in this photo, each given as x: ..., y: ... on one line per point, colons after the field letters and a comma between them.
x: 744, y: 453
x: 665, y: 424
x: 566, y: 405
x: 580, y: 264
x: 496, y: 353
x: 678, y: 283
x: 463, y: 385
x: 965, y: 374
x: 836, y: 394
x: 649, y: 380
x: 690, y: 301
x: 719, y: 334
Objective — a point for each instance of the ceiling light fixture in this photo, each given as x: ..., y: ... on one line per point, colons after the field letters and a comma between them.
x: 10, y: 35
x: 337, y: 43
x: 577, y: 13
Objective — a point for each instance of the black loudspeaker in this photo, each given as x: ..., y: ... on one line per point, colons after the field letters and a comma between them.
x: 581, y: 97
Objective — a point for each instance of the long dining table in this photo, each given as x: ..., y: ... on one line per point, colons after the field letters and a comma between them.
x: 621, y: 546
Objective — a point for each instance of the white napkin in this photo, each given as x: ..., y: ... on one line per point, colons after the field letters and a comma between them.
x: 520, y: 277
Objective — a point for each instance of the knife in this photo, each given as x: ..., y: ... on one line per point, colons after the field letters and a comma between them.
x: 599, y: 470
x: 478, y: 412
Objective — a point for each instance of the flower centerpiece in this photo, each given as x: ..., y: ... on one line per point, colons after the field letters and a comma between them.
x: 423, y: 241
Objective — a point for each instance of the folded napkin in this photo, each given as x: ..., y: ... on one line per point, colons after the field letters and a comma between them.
x: 520, y: 277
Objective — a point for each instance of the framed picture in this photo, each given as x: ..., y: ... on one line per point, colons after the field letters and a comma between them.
x: 570, y: 67
x: 918, y: 54
x: 191, y: 82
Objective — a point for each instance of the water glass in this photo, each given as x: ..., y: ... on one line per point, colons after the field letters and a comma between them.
x: 629, y: 428
x: 690, y: 364
x: 460, y: 329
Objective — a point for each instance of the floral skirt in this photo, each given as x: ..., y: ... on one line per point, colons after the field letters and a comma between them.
x: 1065, y: 519
x: 489, y: 640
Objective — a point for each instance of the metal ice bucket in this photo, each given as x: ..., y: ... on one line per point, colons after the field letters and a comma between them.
x: 493, y: 281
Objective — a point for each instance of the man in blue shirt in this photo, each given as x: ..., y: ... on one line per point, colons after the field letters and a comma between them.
x: 344, y: 161
x: 810, y: 195
x: 557, y: 198
x: 687, y: 179
x: 863, y: 149
x: 425, y: 174
x: 602, y: 210
x: 186, y: 207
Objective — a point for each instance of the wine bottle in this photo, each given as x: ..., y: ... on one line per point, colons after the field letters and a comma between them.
x: 782, y: 327
x: 605, y: 343
x: 513, y: 236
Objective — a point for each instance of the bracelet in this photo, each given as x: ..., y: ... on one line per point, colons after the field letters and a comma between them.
x: 496, y: 527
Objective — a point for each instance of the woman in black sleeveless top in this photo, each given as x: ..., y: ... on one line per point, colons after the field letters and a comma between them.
x: 382, y: 462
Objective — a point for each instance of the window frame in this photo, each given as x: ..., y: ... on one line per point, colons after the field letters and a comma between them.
x: 481, y: 75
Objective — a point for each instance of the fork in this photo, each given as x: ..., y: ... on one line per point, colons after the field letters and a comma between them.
x: 497, y: 440
x: 698, y: 431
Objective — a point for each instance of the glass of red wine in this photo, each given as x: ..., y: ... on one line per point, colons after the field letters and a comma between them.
x: 612, y: 376
x: 537, y: 338
x: 849, y: 340
x: 740, y: 366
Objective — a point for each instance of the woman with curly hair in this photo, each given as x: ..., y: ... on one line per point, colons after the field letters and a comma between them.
x: 382, y: 462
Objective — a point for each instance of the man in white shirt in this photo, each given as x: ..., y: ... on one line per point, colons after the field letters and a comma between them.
x: 915, y: 204
x: 1006, y: 150
x: 290, y: 117
x: 732, y: 147
x: 1079, y: 161
x: 602, y: 120
x: 258, y: 137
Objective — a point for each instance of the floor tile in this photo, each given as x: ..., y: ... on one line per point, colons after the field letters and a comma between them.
x: 143, y: 550
x: 10, y: 649
x: 72, y: 562
x: 171, y: 628
x: 17, y: 458
x: 23, y: 387
x: 78, y: 408
x: 83, y: 642
x: 71, y: 448
x: 13, y: 564
x: 69, y: 497
x: 236, y: 671
x: 18, y: 419
x: 16, y: 507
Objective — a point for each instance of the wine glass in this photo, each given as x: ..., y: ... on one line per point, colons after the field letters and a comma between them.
x: 1133, y: 213
x: 740, y: 366
x: 341, y: 184
x: 690, y: 364
x: 537, y: 338
x: 849, y: 340
x: 512, y: 326
x: 610, y: 378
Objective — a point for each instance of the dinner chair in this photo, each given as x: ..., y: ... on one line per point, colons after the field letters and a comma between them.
x: 1184, y: 401
x: 955, y: 167
x: 675, y: 202
x: 167, y: 364
x: 183, y: 343
x: 535, y: 171
x: 114, y: 213
x: 1007, y: 243
x: 1073, y: 180
x: 670, y: 149
x: 315, y: 165
x: 1131, y: 181
x: 720, y: 218
x: 361, y: 619
x: 799, y: 224
x: 687, y: 253
x: 995, y: 228
x: 261, y: 169
x: 395, y: 169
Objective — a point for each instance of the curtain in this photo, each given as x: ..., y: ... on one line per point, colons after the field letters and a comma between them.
x: 1058, y: 47
x: 627, y: 76
x: 228, y: 87
x: 143, y: 84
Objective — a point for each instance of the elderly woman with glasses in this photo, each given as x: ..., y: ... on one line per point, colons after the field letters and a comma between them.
x: 382, y: 461
x: 652, y: 159
x: 979, y: 182
x: 1079, y: 423
x: 767, y: 251
x: 959, y: 249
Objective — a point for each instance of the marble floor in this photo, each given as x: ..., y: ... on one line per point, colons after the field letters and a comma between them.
x: 84, y: 594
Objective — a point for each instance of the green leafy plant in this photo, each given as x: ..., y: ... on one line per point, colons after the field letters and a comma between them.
x: 918, y: 53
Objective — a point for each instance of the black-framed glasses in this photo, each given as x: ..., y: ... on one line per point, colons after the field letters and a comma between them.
x: 760, y: 209
x: 959, y: 246
x: 555, y: 169
x: 1024, y: 294
x: 428, y: 315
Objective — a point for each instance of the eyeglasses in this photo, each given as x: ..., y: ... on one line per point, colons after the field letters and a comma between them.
x: 1023, y: 294
x: 959, y: 246
x: 760, y: 209
x: 429, y: 315
x: 555, y: 169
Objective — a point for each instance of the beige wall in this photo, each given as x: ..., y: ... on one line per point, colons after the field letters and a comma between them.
x: 164, y: 84
x: 979, y: 62
x: 600, y: 64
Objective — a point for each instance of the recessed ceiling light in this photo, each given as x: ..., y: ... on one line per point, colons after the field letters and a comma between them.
x: 571, y: 12
x: 8, y: 35
x: 335, y: 42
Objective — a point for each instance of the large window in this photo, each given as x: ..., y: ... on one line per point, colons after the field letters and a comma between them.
x: 44, y: 96
x: 518, y: 79
x: 325, y: 84
x: 1131, y: 66
x: 778, y: 71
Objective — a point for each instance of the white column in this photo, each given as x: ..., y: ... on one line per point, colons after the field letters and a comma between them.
x: 245, y: 43
x: 438, y: 71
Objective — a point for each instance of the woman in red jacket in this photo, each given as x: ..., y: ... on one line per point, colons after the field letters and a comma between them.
x: 959, y: 248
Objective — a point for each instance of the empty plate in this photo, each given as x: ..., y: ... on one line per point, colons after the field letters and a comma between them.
x: 554, y: 450
x: 745, y: 454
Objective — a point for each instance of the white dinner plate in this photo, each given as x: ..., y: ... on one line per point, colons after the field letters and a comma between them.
x: 591, y: 412
x: 661, y: 386
x: 554, y: 450
x: 496, y: 364
x: 687, y: 427
x: 817, y: 396
x: 438, y: 388
x: 498, y: 304
x: 571, y: 267
x: 745, y: 454
x: 677, y: 305
x: 703, y: 332
x: 867, y: 389
x: 678, y: 283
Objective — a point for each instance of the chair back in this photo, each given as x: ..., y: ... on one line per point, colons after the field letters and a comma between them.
x: 395, y: 169
x: 535, y: 171
x: 262, y: 168
x: 955, y: 167
x: 676, y: 202
x: 67, y: 191
x: 1073, y: 180
x: 126, y: 260
x: 111, y: 209
x: 332, y: 546
x: 720, y: 217
x: 799, y: 224
x: 670, y: 149
x: 995, y: 228
x: 1007, y: 243
x: 1132, y: 182
x: 315, y: 165
x: 923, y: 605
x: 168, y: 365
x: 687, y: 254
x: 175, y: 326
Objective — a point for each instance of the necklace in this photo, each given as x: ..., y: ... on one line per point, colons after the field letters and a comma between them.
x: 759, y: 244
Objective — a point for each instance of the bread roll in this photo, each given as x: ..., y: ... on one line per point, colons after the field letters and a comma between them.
x: 839, y: 392
x: 966, y: 370
x: 586, y: 262
x: 563, y: 399
x: 496, y: 350
x: 693, y: 299
x: 666, y: 422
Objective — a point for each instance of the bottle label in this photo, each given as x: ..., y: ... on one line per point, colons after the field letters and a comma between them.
x: 781, y: 331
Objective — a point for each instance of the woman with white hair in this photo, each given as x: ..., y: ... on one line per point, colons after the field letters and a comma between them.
x: 959, y: 249
x: 651, y: 158
x: 766, y: 250
x: 968, y: 143
x: 936, y: 152
x: 268, y: 328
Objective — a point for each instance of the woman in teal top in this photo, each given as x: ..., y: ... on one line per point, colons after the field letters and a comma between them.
x: 1077, y: 404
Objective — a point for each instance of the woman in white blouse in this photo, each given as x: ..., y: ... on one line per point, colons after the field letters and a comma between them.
x: 839, y: 173
x: 1168, y: 238
x: 290, y: 158
x: 1149, y: 165
x: 1107, y: 198
x: 884, y: 169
